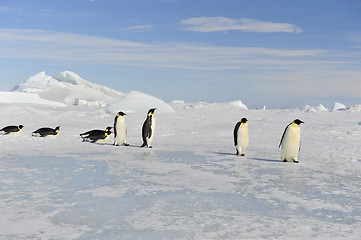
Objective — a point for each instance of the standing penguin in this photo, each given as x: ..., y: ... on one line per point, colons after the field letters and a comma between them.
x: 11, y: 130
x: 97, y: 136
x: 120, y: 130
x: 240, y: 135
x: 148, y: 129
x: 291, y: 142
x: 46, y: 132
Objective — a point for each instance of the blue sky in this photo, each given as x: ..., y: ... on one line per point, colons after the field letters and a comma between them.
x: 277, y: 53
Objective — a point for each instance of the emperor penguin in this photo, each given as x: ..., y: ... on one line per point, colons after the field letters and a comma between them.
x: 148, y: 129
x: 97, y: 136
x: 11, y: 130
x: 46, y: 132
x: 120, y: 130
x: 291, y: 142
x: 240, y: 135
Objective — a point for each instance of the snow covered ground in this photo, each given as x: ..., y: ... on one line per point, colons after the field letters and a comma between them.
x: 190, y: 185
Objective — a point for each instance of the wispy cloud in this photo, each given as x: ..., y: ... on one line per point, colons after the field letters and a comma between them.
x: 40, y: 44
x: 269, y: 69
x: 140, y: 28
x: 215, y: 24
x: 5, y: 9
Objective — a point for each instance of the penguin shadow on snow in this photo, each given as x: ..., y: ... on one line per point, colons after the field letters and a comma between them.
x: 128, y: 145
x: 245, y: 157
x: 266, y: 160
x: 226, y: 154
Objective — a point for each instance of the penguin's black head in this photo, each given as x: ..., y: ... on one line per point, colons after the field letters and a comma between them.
x: 297, y: 121
x: 20, y: 126
x: 244, y: 120
x: 151, y: 111
x: 107, y: 130
x: 57, y: 129
x: 121, y: 114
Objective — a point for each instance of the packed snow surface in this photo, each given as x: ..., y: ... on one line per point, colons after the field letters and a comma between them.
x: 190, y: 185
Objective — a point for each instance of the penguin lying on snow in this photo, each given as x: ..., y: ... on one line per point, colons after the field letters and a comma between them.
x: 148, y: 129
x: 120, y: 130
x: 97, y: 136
x: 46, y: 132
x: 291, y: 142
x: 240, y: 135
x: 11, y: 130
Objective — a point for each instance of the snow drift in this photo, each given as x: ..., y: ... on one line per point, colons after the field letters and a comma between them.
x: 68, y: 88
x: 30, y: 98
x: 139, y: 102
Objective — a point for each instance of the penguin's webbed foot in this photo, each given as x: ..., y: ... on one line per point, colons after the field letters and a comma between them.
x: 243, y: 155
x: 125, y: 144
x: 295, y: 161
x: 284, y: 160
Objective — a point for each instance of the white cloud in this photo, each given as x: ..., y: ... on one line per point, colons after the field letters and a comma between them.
x: 214, y: 24
x: 140, y: 28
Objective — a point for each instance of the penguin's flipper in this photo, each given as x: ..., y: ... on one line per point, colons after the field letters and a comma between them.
x: 235, y: 133
x: 115, y: 127
x: 284, y: 132
x: 146, y: 131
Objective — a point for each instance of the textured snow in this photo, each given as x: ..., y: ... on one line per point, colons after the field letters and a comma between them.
x: 38, y: 83
x: 70, y: 89
x: 190, y: 185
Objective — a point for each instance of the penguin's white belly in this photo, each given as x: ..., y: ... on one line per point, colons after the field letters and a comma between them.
x: 15, y: 133
x: 52, y: 136
x: 150, y: 139
x: 242, y: 139
x: 121, y: 132
x: 104, y: 140
x: 291, y: 144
